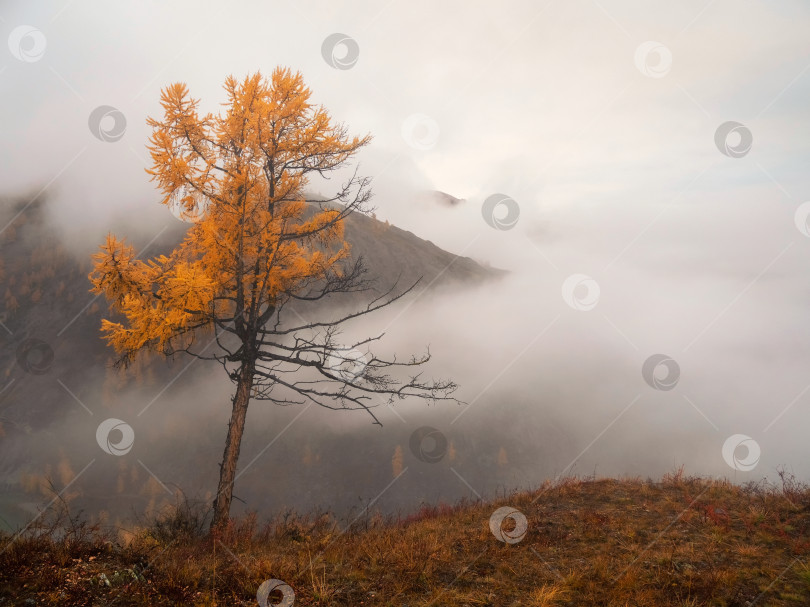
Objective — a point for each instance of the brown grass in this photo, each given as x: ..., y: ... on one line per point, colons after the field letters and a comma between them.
x: 680, y: 541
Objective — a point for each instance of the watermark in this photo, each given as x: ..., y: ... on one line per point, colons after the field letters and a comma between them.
x: 104, y: 437
x: 27, y: 43
x: 34, y: 356
x: 107, y: 123
x: 496, y: 525
x: 269, y: 586
x: 188, y: 205
x: 653, y: 59
x: 500, y: 212
x: 652, y: 369
x: 420, y: 131
x: 428, y: 444
x: 581, y: 292
x: 802, y: 218
x: 348, y: 364
x: 751, y: 459
x: 340, y: 51
x: 733, y: 139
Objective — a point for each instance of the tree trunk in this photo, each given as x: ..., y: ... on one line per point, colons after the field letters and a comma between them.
x: 227, y: 469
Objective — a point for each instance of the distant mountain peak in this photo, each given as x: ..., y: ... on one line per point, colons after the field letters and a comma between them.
x: 442, y: 198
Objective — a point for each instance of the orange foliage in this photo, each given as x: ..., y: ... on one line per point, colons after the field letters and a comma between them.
x: 247, y: 168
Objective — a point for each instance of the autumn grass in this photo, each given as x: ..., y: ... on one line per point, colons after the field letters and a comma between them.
x: 679, y: 541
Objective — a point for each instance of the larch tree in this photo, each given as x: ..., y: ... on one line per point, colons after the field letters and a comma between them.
x: 255, y: 248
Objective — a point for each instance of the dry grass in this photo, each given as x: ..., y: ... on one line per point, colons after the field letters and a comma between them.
x: 680, y: 541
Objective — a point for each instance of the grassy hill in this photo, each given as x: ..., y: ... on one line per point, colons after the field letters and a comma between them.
x: 679, y: 541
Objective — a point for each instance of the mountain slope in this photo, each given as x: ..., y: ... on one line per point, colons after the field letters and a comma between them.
x: 44, y: 297
x: 57, y: 386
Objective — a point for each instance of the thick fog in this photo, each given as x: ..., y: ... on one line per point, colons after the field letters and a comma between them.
x: 633, y: 221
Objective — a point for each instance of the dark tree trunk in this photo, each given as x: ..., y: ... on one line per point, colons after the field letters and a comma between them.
x: 227, y: 469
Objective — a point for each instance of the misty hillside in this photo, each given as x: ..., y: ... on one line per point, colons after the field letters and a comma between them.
x: 45, y: 296
x: 57, y: 384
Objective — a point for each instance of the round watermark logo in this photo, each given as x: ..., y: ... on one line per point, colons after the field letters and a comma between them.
x: 653, y: 59
x: 115, y: 436
x: 503, y: 514
x: 661, y: 372
x: 420, y: 131
x: 428, y: 444
x: 107, y: 123
x: 34, y: 356
x: 348, y: 364
x: 500, y: 212
x: 270, y: 586
x: 188, y: 204
x: 27, y: 43
x: 581, y: 292
x: 750, y: 458
x: 733, y: 139
x: 802, y: 218
x: 340, y: 51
